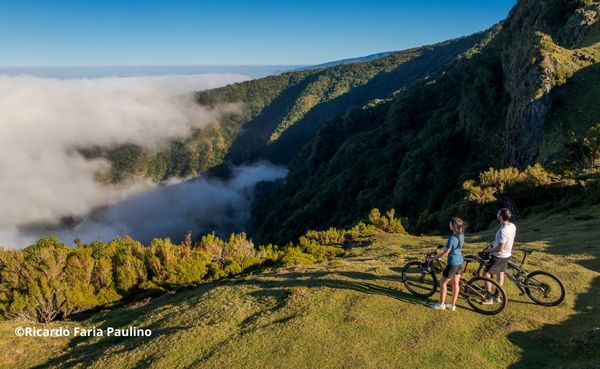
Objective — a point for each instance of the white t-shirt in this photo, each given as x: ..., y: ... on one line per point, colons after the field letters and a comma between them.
x: 506, y: 234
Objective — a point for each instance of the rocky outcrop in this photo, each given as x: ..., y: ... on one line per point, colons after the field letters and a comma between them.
x: 578, y: 25
x: 530, y: 71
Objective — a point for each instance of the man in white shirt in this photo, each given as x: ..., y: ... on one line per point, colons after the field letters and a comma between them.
x: 502, y: 247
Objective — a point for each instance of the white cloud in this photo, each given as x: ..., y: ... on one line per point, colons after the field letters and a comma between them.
x: 201, y: 205
x: 42, y: 121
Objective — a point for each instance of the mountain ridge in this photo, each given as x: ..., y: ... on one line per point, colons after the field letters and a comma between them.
x: 347, y: 61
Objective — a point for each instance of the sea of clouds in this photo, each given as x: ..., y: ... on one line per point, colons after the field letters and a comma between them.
x: 45, y: 179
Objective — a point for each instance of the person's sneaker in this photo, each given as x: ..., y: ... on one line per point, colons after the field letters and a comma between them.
x: 438, y: 306
x: 497, y: 299
x: 489, y: 301
x: 451, y: 307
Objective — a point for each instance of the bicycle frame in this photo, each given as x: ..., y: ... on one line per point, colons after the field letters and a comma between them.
x: 515, y: 273
x: 468, y: 291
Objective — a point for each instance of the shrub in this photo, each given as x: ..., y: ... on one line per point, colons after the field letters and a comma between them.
x: 269, y: 252
x: 592, y: 145
x: 293, y: 255
x: 478, y: 194
x: 330, y: 236
x: 128, y: 265
x: 174, y: 265
x: 319, y: 252
x: 78, y: 273
x: 361, y: 230
x: 49, y: 280
x: 214, y: 246
x: 34, y: 286
x: 509, y: 187
x: 238, y: 247
x: 387, y: 223
x: 498, y: 182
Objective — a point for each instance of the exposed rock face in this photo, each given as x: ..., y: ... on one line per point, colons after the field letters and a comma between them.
x: 529, y: 70
x: 578, y: 25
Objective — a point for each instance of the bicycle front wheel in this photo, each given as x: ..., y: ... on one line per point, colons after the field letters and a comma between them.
x: 485, y: 295
x: 419, y: 280
x: 544, y: 288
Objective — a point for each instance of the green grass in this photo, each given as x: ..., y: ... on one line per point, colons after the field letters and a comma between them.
x: 350, y: 313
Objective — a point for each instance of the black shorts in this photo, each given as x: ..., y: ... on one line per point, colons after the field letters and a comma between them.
x: 451, y: 270
x: 497, y: 265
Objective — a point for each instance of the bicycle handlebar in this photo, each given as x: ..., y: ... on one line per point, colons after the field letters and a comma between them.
x: 436, y: 249
x: 433, y: 252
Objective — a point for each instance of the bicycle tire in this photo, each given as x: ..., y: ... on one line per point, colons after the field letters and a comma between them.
x: 476, y: 304
x: 529, y: 293
x: 408, y: 275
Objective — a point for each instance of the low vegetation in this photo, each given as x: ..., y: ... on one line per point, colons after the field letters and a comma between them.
x: 531, y: 190
x: 48, y: 280
x: 350, y: 312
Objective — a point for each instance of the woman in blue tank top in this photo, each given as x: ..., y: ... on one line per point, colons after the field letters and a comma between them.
x: 452, y: 250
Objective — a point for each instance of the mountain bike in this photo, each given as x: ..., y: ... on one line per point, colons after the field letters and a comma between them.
x: 542, y: 287
x: 420, y: 279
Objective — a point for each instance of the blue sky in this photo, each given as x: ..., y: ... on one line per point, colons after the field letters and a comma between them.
x: 230, y: 32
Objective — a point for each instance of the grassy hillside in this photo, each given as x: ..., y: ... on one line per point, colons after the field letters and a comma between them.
x: 352, y: 312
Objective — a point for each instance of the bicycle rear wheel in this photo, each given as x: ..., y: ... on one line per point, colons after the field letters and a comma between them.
x: 544, y: 288
x: 481, y: 300
x: 419, y: 280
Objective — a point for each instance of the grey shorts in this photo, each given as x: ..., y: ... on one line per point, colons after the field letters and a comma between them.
x: 497, y: 265
x: 451, y: 270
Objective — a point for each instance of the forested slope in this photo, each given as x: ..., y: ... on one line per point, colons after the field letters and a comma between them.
x: 278, y: 114
x: 491, y: 107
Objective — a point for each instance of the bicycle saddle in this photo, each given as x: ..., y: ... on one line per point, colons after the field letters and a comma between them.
x: 528, y: 251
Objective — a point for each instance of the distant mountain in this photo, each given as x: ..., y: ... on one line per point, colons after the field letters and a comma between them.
x: 347, y: 61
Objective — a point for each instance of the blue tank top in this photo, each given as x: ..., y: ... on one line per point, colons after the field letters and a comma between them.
x: 455, y: 244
